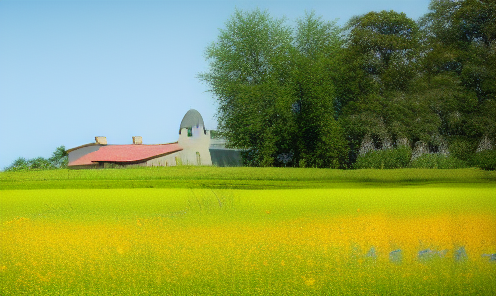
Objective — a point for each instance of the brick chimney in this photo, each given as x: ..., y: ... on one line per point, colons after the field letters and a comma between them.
x: 137, y: 140
x: 101, y: 140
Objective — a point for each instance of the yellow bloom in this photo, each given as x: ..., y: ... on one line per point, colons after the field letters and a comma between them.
x: 309, y: 281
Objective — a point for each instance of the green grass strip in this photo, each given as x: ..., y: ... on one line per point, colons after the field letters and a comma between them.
x: 237, y: 178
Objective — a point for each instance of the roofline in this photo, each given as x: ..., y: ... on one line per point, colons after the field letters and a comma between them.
x: 82, y: 146
x: 96, y: 144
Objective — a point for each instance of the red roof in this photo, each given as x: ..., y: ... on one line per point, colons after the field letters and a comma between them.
x: 126, y: 153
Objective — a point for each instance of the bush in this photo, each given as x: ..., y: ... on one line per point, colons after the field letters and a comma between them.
x: 20, y: 164
x: 384, y: 159
x: 437, y: 161
x: 485, y: 160
x: 59, y: 159
x: 40, y: 163
x: 462, y: 148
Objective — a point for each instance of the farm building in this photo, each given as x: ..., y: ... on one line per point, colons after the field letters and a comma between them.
x: 195, y: 146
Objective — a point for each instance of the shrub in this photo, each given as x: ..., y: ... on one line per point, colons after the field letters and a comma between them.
x: 437, y: 161
x: 20, y: 164
x: 40, y: 163
x: 462, y: 148
x: 384, y: 159
x: 485, y: 159
x: 59, y: 159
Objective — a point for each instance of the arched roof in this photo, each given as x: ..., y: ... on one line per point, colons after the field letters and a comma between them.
x: 192, y: 118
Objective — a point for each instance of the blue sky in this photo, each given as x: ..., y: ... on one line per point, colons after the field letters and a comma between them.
x: 72, y: 70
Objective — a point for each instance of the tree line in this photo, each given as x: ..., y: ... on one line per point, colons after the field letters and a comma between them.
x: 58, y: 160
x: 383, y: 91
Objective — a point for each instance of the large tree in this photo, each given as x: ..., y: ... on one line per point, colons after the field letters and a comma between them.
x: 247, y: 77
x: 459, y: 67
x: 273, y: 90
x: 377, y: 67
x: 320, y: 139
x: 58, y: 160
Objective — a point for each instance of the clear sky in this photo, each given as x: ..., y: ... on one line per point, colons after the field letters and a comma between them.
x: 72, y: 70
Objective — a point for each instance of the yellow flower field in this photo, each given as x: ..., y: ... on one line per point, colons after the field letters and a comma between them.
x: 362, y: 241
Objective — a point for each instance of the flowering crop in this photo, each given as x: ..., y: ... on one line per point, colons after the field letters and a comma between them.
x: 428, y: 240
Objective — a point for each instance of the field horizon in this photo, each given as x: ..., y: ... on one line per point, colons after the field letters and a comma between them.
x: 238, y: 178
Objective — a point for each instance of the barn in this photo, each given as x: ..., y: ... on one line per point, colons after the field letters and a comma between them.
x: 195, y: 146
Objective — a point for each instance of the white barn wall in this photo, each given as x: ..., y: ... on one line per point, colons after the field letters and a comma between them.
x: 166, y: 160
x: 198, y: 142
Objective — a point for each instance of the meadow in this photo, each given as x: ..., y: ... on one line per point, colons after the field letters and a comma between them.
x: 248, y: 231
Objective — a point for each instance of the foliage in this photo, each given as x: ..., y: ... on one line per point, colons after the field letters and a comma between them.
x: 374, y: 82
x: 319, y: 138
x: 485, y: 159
x: 245, y: 75
x: 462, y: 147
x: 437, y: 161
x: 40, y: 163
x: 385, y: 159
x: 459, y: 64
x: 274, y: 92
x: 289, y: 96
x: 59, y: 159
x: 19, y: 164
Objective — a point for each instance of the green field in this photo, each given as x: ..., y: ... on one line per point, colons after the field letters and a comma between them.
x: 237, y: 178
x: 235, y: 231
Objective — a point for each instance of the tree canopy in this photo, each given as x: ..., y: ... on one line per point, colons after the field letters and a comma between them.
x: 59, y: 159
x: 318, y: 95
x: 273, y: 88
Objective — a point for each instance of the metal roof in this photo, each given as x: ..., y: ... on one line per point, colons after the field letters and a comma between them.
x: 192, y: 118
x: 126, y: 153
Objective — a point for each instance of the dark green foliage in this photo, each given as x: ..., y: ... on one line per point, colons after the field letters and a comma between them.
x: 246, y: 76
x: 59, y: 159
x: 214, y: 134
x: 275, y: 92
x: 374, y: 93
x: 308, y: 96
x: 462, y: 147
x: 385, y: 159
x: 319, y: 139
x: 19, y: 164
x: 437, y: 161
x: 485, y: 160
x: 40, y: 163
x: 459, y: 65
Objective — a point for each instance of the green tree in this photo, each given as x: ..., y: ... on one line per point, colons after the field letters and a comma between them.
x: 40, y: 163
x: 378, y: 65
x: 459, y: 68
x: 319, y: 140
x: 273, y: 90
x: 20, y: 164
x: 59, y: 159
x: 247, y: 77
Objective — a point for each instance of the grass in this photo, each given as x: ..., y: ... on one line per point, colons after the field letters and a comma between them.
x: 213, y: 238
x: 236, y: 178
